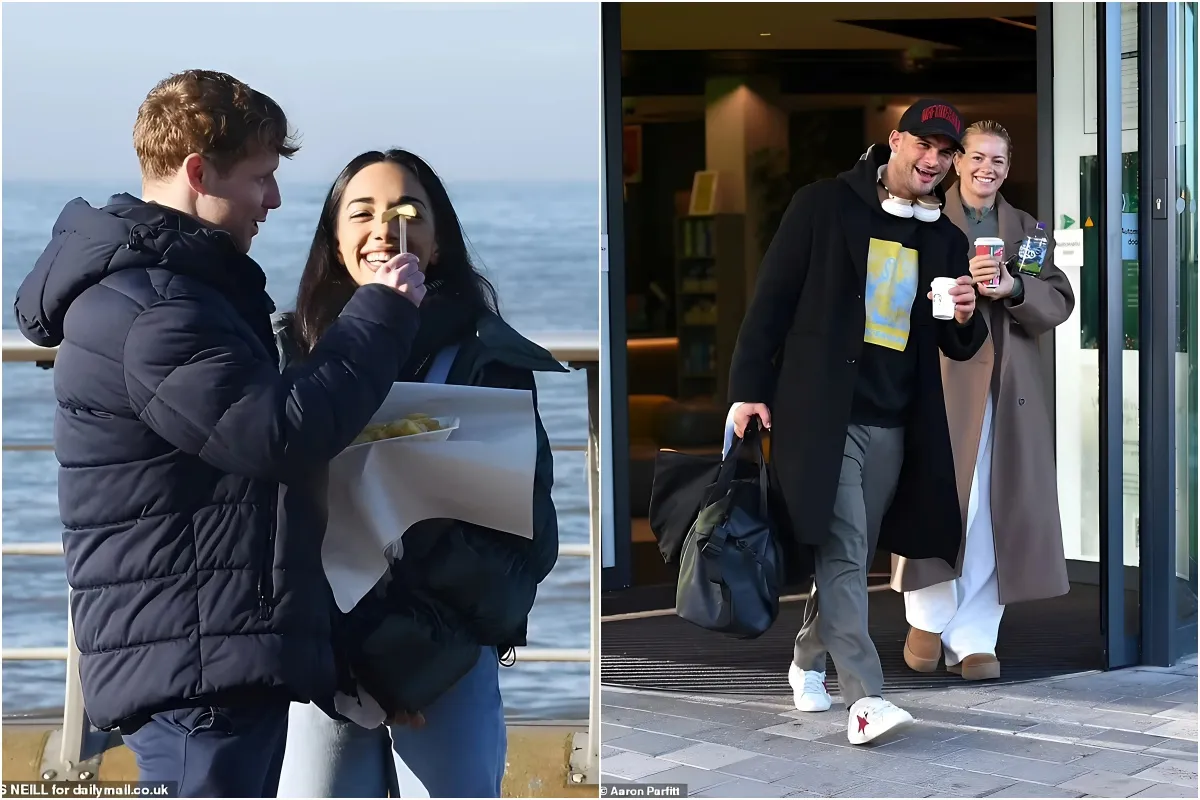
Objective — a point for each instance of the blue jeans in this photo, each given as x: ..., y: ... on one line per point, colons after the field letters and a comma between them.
x: 214, y: 752
x: 459, y: 753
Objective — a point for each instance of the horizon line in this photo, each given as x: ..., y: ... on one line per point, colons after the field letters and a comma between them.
x: 23, y: 179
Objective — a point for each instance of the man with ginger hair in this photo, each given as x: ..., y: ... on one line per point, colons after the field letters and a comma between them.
x: 188, y: 461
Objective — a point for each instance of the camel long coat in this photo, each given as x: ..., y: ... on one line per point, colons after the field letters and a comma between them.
x: 1030, y: 564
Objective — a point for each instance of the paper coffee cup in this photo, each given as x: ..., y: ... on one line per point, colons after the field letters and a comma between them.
x: 943, y: 303
x: 991, y: 246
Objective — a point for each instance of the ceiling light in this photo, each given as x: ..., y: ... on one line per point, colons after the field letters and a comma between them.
x: 764, y: 34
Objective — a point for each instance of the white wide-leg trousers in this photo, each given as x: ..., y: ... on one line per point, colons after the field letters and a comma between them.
x: 967, y: 611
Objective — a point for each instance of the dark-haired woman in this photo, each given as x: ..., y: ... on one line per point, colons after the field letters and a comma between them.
x: 427, y: 643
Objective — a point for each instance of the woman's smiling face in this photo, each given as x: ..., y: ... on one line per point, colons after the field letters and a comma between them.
x: 364, y: 240
x: 984, y: 166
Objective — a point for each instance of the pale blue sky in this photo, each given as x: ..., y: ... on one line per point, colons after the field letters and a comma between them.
x: 487, y: 91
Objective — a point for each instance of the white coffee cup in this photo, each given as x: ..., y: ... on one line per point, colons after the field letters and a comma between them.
x: 943, y: 303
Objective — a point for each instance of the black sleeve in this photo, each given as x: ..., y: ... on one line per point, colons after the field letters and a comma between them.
x: 776, y: 293
x: 198, y: 382
x: 961, y: 342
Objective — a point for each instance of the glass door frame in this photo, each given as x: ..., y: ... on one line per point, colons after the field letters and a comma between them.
x: 616, y: 525
x: 1158, y: 292
x: 1121, y: 648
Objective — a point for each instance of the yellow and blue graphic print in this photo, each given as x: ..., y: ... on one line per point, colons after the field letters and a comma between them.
x: 891, y: 289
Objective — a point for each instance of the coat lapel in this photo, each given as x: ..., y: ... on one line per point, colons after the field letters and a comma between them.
x: 1011, y: 233
x: 858, y: 219
x: 954, y: 208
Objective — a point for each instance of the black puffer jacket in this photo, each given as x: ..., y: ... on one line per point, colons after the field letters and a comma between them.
x: 458, y: 586
x: 188, y: 459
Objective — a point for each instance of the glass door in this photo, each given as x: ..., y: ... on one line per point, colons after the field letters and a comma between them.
x: 1118, y: 314
x: 1187, y: 340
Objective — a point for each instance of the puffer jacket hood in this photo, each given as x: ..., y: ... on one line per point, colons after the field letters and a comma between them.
x: 90, y: 243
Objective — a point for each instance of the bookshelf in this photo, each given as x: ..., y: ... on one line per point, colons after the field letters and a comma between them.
x: 710, y: 287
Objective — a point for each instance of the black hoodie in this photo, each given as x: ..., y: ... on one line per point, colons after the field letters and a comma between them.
x: 887, y: 366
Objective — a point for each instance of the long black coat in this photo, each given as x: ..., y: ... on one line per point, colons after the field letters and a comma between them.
x: 798, y: 349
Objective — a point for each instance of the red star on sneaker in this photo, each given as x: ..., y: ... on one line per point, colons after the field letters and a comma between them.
x: 862, y: 722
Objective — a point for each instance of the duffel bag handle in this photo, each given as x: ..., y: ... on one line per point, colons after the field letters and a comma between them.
x: 729, y: 467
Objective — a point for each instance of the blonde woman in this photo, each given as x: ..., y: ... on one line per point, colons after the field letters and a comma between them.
x: 1003, y: 438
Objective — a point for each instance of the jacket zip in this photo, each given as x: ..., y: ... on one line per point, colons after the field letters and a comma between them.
x: 266, y: 575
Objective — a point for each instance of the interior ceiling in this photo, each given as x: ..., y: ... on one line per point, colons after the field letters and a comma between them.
x: 822, y: 26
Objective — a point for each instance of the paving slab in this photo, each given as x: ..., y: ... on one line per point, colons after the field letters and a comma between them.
x: 1179, y: 711
x: 763, y: 768
x: 651, y: 744
x: 1026, y: 789
x: 1138, y: 705
x: 1170, y: 770
x: 632, y: 766
x: 1023, y: 746
x: 1173, y: 748
x: 798, y: 729
x: 883, y: 789
x: 734, y: 737
x: 1176, y: 729
x: 706, y: 755
x: 745, y: 788
x: 920, y: 749
x: 1186, y: 694
x: 1166, y: 790
x: 1015, y: 767
x: 665, y: 723
x: 1122, y: 762
x: 958, y: 783
x: 1124, y: 721
x: 1065, y: 732
x: 696, y: 779
x: 1107, y: 784
x: 610, y: 731
x: 1128, y: 740
x: 823, y: 780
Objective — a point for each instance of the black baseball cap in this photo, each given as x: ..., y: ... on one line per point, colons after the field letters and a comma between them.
x: 933, y: 118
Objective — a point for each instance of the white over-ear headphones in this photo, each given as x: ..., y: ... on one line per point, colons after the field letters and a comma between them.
x: 925, y: 209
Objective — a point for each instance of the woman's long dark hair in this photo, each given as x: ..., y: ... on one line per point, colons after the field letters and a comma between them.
x: 326, y: 286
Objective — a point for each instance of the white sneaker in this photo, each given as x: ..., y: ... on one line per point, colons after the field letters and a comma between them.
x: 872, y: 717
x: 808, y: 689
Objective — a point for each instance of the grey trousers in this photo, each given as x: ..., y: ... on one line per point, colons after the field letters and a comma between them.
x: 837, y: 623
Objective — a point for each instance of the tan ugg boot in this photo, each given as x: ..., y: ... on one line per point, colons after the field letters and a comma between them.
x: 977, y: 667
x: 922, y: 650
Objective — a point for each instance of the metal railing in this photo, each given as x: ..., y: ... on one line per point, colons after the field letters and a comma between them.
x: 577, y: 350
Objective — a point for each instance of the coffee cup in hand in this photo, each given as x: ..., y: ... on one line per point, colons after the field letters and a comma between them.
x: 993, y: 248
x: 943, y: 301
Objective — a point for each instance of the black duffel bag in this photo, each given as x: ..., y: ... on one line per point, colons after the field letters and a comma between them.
x: 681, y: 483
x: 732, y: 565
